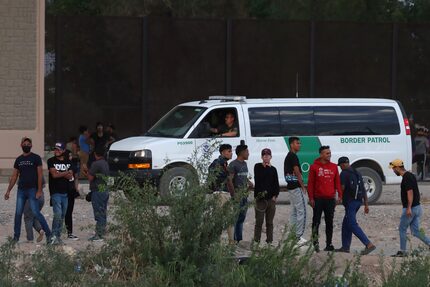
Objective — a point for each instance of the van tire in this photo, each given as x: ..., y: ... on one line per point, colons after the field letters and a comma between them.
x: 373, y: 181
x: 175, y: 175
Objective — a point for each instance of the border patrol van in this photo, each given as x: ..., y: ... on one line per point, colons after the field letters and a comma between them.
x: 371, y: 132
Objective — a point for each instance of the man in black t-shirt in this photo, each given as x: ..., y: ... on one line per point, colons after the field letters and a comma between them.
x: 28, y: 168
x: 60, y: 178
x: 412, y: 211
x: 296, y: 189
x: 99, y: 139
x: 71, y: 195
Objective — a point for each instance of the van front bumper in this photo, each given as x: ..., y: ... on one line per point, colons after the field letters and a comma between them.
x: 142, y: 176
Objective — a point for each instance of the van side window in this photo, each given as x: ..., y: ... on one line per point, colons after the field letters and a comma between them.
x: 265, y: 122
x: 356, y: 120
x: 297, y: 121
x: 218, y: 123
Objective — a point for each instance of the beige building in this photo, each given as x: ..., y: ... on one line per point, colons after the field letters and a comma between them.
x: 22, y: 38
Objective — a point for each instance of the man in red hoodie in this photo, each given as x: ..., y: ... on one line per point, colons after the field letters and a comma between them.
x: 323, y: 183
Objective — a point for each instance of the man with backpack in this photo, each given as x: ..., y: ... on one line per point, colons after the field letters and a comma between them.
x: 218, y: 176
x: 353, y: 195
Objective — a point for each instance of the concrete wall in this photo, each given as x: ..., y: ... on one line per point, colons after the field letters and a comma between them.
x: 22, y: 26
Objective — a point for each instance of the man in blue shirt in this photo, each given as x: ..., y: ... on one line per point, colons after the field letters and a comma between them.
x: 85, y: 149
x: 28, y: 168
x: 353, y: 195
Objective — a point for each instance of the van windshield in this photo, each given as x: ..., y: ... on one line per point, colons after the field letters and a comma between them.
x: 176, y: 123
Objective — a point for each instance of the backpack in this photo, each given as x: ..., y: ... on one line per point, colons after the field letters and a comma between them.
x: 355, y: 185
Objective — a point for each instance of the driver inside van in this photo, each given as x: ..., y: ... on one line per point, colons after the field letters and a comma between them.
x: 229, y: 128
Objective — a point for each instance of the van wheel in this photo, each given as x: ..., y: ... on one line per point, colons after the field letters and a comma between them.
x: 174, y: 181
x: 372, y: 183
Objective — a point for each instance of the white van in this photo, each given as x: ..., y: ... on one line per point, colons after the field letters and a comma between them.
x: 371, y: 132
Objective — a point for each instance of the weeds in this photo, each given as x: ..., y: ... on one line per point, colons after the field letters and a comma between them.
x: 8, y: 256
x: 176, y: 241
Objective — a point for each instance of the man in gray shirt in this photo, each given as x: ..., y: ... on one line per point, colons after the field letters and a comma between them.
x: 97, y: 174
x: 238, y: 180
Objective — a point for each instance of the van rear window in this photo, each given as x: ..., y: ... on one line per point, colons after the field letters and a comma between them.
x: 323, y: 121
x: 353, y: 120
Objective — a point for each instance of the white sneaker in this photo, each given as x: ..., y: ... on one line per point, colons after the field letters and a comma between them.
x: 56, y: 241
x: 301, y: 242
x: 72, y: 237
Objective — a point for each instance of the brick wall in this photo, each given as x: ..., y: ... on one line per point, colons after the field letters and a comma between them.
x: 18, y: 64
x: 22, y: 45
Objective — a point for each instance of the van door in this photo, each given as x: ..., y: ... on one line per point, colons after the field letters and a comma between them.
x: 264, y: 131
x: 220, y: 125
x: 271, y: 127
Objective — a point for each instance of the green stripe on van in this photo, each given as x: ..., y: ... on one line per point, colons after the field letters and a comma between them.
x: 307, y: 154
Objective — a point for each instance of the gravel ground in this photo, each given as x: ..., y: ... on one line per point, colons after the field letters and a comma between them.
x: 381, y: 224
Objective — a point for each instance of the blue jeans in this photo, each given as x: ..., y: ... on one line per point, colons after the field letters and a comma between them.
x: 22, y: 196
x: 99, y: 201
x: 414, y: 223
x: 59, y: 207
x: 238, y: 228
x: 350, y: 225
x: 30, y: 220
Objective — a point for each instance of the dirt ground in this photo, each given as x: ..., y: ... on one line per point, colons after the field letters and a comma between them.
x: 381, y: 226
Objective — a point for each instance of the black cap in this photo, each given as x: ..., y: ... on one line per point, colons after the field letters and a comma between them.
x: 342, y: 159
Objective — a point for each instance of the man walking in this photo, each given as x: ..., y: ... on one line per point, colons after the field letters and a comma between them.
x: 353, y: 195
x: 97, y: 174
x: 266, y: 192
x: 238, y: 181
x: 218, y: 175
x: 323, y: 184
x: 412, y: 211
x: 296, y: 189
x: 28, y: 168
x: 30, y: 221
x: 60, y: 176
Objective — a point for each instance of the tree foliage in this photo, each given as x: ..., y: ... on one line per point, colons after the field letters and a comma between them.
x: 320, y: 10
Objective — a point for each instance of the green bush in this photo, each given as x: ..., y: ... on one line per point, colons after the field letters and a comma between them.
x: 8, y: 257
x: 176, y: 241
x: 413, y: 271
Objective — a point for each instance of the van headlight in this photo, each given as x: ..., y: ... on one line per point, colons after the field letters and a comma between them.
x: 142, y: 153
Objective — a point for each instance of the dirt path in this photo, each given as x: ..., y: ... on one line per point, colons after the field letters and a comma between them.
x: 380, y: 225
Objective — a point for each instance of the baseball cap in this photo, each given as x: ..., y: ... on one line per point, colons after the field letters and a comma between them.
x: 60, y: 146
x: 266, y: 151
x: 396, y: 163
x: 24, y: 139
x: 342, y: 159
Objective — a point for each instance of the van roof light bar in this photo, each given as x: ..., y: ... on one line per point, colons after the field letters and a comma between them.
x: 228, y: 98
